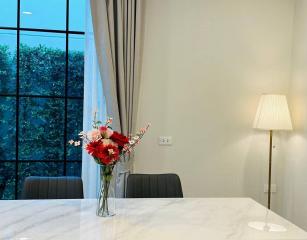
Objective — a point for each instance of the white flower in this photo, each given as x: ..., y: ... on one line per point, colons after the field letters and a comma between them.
x: 136, y: 138
x: 71, y: 142
x: 77, y: 143
x: 109, y: 120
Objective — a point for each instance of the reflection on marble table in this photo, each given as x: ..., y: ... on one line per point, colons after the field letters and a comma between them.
x: 143, y: 219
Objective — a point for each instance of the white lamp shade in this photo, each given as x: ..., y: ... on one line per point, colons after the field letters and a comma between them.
x: 273, y: 113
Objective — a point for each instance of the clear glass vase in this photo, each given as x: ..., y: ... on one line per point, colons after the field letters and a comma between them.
x: 106, y: 196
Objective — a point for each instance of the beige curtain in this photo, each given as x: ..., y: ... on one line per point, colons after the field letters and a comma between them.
x: 117, y: 32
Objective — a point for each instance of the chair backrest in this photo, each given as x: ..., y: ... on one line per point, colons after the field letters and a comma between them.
x: 52, y: 188
x: 154, y: 186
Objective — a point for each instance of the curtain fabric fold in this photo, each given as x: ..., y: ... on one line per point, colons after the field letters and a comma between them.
x: 117, y: 32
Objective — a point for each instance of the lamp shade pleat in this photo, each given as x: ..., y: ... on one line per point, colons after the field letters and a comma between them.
x: 273, y: 113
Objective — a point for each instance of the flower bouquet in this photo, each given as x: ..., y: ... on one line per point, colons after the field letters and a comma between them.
x: 106, y: 147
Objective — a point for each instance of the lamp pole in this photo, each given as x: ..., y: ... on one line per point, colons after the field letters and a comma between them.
x: 270, y: 169
x: 272, y: 114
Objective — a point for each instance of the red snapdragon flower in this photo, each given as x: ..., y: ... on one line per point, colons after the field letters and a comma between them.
x: 105, y: 131
x: 120, y: 139
x: 103, y: 128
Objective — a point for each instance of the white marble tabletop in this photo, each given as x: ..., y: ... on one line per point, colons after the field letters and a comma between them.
x: 144, y: 219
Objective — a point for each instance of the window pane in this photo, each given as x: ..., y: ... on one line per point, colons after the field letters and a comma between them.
x: 41, y: 133
x: 7, y: 180
x: 42, y: 63
x: 7, y: 128
x: 73, y: 169
x: 74, y: 127
x: 46, y: 14
x: 44, y: 169
x: 77, y: 15
x: 7, y: 61
x: 76, y: 65
x: 8, y: 13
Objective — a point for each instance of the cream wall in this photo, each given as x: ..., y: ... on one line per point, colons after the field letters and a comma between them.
x: 294, y: 197
x: 205, y: 64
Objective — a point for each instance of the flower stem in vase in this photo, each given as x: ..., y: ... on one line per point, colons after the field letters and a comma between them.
x: 106, y: 190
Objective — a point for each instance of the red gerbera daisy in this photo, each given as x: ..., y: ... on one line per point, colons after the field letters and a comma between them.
x: 94, y: 148
x: 107, y: 154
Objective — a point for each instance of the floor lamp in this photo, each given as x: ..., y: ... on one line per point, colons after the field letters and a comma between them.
x: 272, y: 114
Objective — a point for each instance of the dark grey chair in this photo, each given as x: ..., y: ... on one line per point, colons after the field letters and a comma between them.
x: 154, y: 186
x: 52, y: 188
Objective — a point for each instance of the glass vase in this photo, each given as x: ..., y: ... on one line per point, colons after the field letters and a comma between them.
x: 106, y: 196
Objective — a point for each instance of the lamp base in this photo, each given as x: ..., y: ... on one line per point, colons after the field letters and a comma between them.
x: 267, y: 227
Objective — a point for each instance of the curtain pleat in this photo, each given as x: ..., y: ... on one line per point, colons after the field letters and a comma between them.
x: 117, y: 28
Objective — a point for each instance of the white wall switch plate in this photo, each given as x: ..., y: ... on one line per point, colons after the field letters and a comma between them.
x: 273, y: 188
x: 165, y: 140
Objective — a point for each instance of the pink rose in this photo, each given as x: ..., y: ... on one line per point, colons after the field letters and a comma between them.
x: 93, y: 135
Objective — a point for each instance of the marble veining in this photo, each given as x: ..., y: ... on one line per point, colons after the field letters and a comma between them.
x: 142, y: 219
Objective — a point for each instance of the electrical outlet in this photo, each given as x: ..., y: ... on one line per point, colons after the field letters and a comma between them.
x: 165, y: 140
x: 273, y: 188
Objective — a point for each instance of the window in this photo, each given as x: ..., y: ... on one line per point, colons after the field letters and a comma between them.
x: 41, y: 89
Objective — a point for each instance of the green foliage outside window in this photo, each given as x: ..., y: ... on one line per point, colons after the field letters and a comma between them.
x: 41, y: 119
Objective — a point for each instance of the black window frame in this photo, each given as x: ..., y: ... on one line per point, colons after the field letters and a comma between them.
x: 17, y: 95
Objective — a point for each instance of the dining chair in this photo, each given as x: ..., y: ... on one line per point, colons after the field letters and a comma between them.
x: 154, y: 186
x: 52, y: 188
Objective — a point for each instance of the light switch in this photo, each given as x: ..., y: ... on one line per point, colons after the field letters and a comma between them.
x: 165, y: 140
